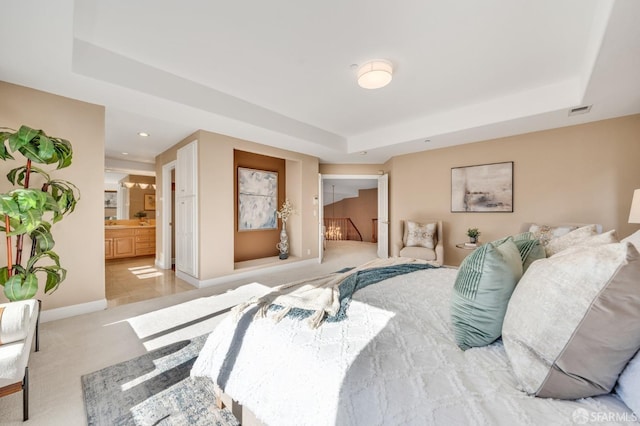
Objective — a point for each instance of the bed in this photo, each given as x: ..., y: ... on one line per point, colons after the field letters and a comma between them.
x: 392, y: 361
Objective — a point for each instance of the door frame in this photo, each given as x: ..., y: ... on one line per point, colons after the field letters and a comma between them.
x: 165, y: 254
x: 345, y: 177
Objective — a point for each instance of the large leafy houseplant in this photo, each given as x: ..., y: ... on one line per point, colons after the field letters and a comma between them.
x: 30, y: 212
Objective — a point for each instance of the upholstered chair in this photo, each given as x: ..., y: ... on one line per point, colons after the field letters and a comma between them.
x: 422, y: 239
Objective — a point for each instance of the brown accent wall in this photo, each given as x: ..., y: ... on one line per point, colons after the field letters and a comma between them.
x: 361, y: 209
x: 256, y: 244
x: 79, y: 236
x: 584, y: 173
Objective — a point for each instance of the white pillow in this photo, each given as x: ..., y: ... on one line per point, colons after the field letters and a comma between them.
x: 421, y: 235
x: 633, y: 239
x: 629, y: 385
x: 562, y: 331
x: 608, y: 237
x: 545, y: 233
x: 14, y: 322
x: 569, y: 239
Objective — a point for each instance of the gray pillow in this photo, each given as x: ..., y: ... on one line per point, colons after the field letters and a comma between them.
x: 486, y: 278
x: 562, y: 331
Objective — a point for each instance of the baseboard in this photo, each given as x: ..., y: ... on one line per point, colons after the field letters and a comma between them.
x: 242, y: 275
x: 73, y: 310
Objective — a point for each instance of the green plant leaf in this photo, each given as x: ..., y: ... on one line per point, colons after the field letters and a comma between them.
x: 41, y: 236
x: 4, y: 275
x: 17, y: 175
x: 45, y: 147
x: 66, y: 196
x: 55, y: 275
x: 4, y: 152
x: 9, y: 206
x: 22, y: 137
x: 21, y: 287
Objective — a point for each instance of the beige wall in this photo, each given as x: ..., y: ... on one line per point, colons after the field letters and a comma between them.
x: 352, y: 169
x: 80, y: 236
x: 360, y: 209
x: 585, y: 173
x: 216, y: 198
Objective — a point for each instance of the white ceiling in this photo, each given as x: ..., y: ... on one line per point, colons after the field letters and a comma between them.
x: 280, y: 72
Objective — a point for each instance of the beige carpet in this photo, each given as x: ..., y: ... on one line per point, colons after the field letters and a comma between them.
x: 80, y: 345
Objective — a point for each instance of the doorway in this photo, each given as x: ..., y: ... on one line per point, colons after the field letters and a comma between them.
x: 350, y: 212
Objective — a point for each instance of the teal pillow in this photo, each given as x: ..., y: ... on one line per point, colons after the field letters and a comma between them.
x: 530, y: 251
x: 486, y: 278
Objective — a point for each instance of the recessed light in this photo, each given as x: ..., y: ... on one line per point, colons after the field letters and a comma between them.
x: 143, y: 134
x: 363, y: 152
x: 125, y: 153
x: 427, y: 140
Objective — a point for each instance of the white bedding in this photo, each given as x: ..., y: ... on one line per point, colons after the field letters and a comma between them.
x: 393, y: 361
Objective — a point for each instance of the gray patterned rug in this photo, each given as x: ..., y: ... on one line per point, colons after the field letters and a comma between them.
x: 154, y: 389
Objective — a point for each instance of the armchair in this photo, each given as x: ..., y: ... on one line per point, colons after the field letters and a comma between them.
x: 422, y: 240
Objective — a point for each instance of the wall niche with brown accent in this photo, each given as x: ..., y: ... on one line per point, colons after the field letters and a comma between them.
x: 256, y: 243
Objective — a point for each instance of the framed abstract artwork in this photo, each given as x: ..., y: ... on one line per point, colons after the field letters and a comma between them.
x: 110, y: 199
x: 257, y: 199
x: 482, y: 188
x: 149, y: 201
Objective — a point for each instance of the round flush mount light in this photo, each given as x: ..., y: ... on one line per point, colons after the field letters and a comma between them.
x: 143, y: 134
x: 375, y: 74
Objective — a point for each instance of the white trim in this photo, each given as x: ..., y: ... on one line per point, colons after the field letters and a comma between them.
x: 73, y: 310
x: 351, y: 176
x: 243, y: 274
x: 165, y: 260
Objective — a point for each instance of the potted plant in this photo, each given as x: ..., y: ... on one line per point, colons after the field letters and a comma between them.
x: 473, y: 235
x: 30, y: 212
x: 141, y: 215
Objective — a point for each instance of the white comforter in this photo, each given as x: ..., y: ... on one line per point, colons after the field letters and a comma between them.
x: 393, y: 361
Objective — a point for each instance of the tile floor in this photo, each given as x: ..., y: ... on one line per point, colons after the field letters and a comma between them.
x: 136, y: 279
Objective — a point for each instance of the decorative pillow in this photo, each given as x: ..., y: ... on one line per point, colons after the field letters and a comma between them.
x: 483, y: 286
x: 530, y: 251
x: 529, y: 247
x: 609, y: 237
x: 421, y: 235
x: 570, y: 239
x: 562, y: 327
x: 14, y: 322
x: 545, y: 233
x: 633, y: 239
x: 628, y: 387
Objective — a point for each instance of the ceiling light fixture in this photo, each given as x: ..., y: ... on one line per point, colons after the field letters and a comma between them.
x: 375, y: 74
x: 143, y: 134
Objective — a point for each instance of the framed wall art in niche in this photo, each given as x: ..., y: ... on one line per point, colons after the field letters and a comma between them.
x: 257, y: 199
x: 482, y: 188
